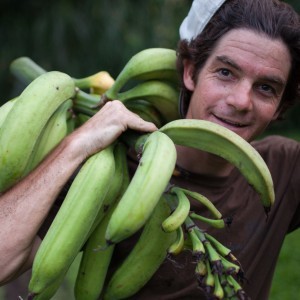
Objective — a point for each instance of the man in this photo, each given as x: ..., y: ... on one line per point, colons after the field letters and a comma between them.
x: 242, y: 72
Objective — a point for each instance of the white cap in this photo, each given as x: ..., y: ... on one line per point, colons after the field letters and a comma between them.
x: 197, y: 18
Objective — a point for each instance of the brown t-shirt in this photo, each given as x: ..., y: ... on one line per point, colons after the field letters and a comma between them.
x: 254, y: 239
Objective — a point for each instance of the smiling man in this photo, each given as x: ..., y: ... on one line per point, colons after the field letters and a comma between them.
x: 239, y: 65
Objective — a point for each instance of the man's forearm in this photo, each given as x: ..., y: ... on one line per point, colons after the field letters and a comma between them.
x: 24, y: 207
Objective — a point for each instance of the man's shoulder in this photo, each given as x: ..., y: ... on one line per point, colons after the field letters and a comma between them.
x: 277, y: 147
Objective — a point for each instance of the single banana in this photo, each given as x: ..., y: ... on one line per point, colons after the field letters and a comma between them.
x: 94, y: 263
x: 204, y: 201
x: 72, y: 224
x: 180, y: 210
x: 198, y: 248
x: 162, y: 95
x: 118, y: 185
x: 178, y: 245
x: 53, y: 132
x: 216, y: 139
x: 5, y: 109
x: 217, y: 223
x: 97, y: 83
x: 145, y: 189
x: 146, y: 111
x: 200, y: 272
x: 26, y: 120
x: 151, y: 63
x: 218, y: 292
x: 144, y: 259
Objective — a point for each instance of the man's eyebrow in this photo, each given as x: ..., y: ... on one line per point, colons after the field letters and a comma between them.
x: 226, y: 60
x: 272, y: 78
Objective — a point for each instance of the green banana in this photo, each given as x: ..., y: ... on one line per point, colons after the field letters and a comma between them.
x: 216, y: 139
x: 200, y: 271
x: 148, y: 64
x: 180, y: 210
x: 26, y: 120
x: 179, y: 243
x: 73, y: 222
x: 53, y: 132
x: 198, y: 249
x: 218, y: 292
x: 145, y: 189
x: 217, y: 223
x: 5, y: 109
x: 162, y: 95
x: 146, y: 111
x: 118, y: 185
x: 144, y: 259
x: 204, y: 201
x: 94, y: 263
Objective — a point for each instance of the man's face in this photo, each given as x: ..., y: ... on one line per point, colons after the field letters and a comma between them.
x: 241, y: 84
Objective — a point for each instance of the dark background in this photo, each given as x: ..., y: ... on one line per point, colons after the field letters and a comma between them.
x: 83, y: 37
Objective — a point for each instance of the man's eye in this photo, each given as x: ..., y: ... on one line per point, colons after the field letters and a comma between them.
x: 224, y: 72
x: 267, y: 89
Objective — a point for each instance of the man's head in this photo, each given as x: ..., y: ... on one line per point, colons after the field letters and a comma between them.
x: 276, y: 20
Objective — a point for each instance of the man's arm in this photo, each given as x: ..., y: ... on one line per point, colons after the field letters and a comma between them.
x: 24, y: 207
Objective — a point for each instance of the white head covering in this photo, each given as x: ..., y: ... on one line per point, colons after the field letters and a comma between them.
x: 199, y: 15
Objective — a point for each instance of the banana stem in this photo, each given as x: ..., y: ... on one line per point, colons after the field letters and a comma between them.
x: 86, y: 103
x: 26, y: 69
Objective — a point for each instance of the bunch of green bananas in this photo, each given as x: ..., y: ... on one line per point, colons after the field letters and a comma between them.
x: 101, y: 209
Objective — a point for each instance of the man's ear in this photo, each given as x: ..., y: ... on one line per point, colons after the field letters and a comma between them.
x: 188, y: 75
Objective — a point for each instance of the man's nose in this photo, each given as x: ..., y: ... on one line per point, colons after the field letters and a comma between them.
x: 240, y: 96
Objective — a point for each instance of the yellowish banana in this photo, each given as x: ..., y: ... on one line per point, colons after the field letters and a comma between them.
x: 145, y: 189
x: 216, y: 139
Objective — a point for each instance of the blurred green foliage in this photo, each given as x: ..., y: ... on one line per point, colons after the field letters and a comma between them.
x: 83, y: 37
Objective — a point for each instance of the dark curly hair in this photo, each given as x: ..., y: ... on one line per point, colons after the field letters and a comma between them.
x: 276, y: 19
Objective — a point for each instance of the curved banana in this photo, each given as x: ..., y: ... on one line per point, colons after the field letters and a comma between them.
x: 180, y: 211
x: 94, y: 263
x: 162, y: 95
x: 216, y: 139
x: 26, y: 120
x: 5, y: 109
x: 178, y: 245
x: 72, y: 224
x: 217, y: 223
x: 144, y: 259
x: 204, y: 201
x: 146, y: 111
x: 145, y: 189
x: 151, y: 63
x: 52, y: 134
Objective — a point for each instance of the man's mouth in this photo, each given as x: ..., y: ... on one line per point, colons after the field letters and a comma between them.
x: 231, y: 123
